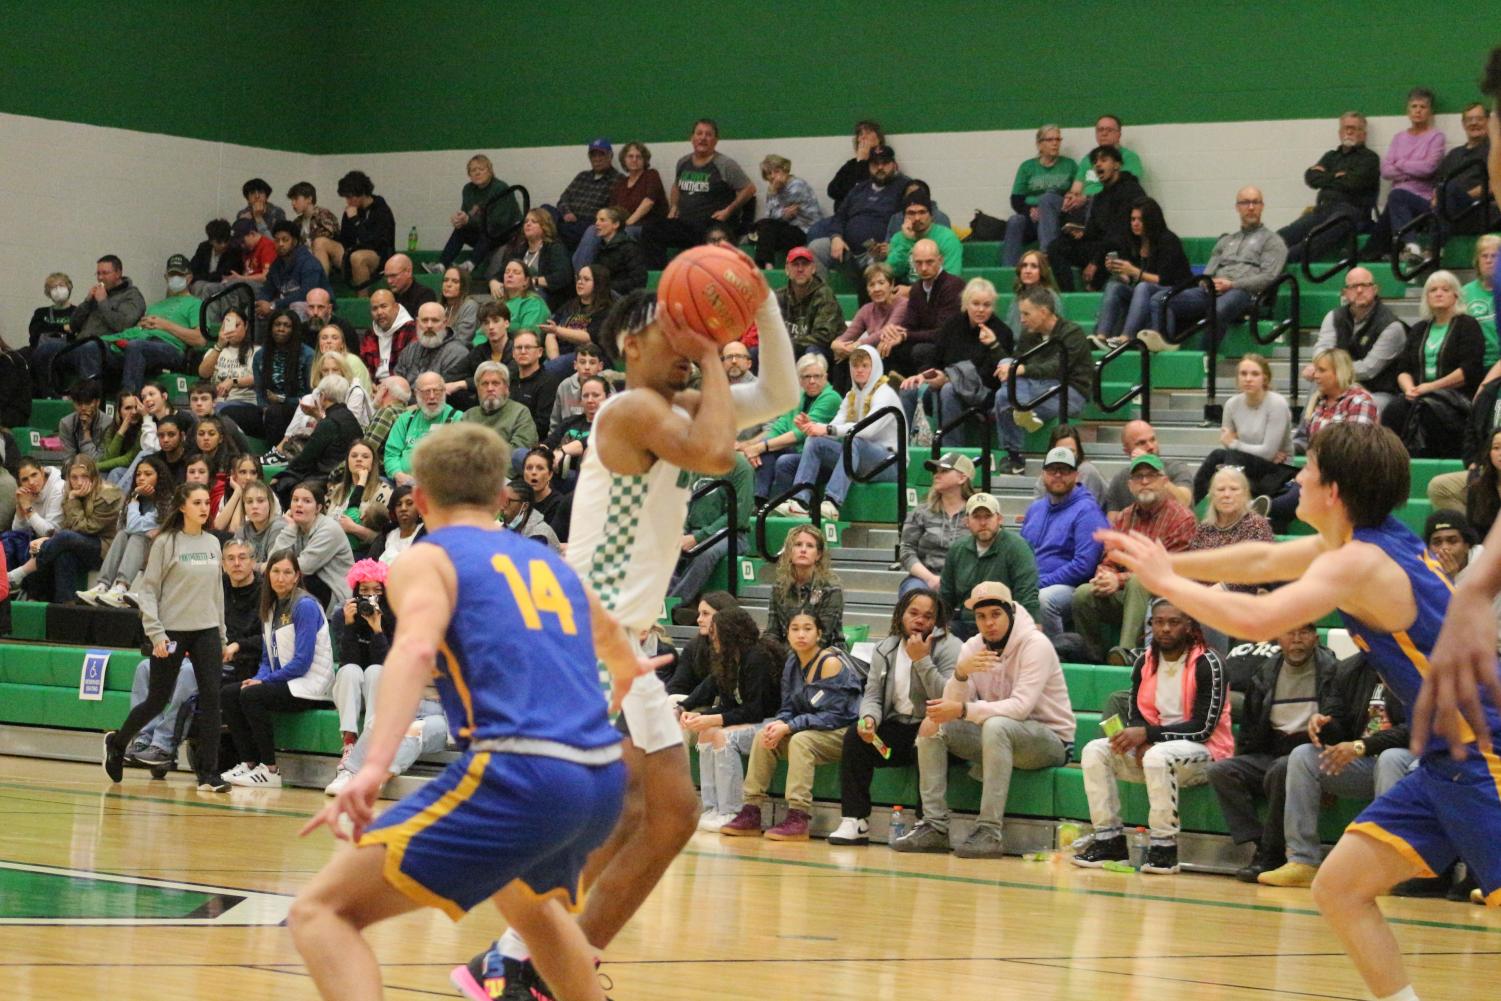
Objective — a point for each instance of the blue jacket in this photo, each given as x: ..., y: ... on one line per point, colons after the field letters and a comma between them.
x: 1062, y: 537
x: 865, y: 210
x: 827, y: 703
x: 289, y: 279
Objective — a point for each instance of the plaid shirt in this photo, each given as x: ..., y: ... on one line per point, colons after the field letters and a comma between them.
x: 587, y: 193
x: 1169, y: 522
x: 380, y: 425
x: 1354, y: 406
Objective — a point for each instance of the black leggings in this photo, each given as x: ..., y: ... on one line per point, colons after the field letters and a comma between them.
x: 248, y: 711
x: 860, y: 761
x: 203, y: 646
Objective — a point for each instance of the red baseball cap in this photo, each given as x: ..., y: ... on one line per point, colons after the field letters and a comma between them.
x: 799, y: 254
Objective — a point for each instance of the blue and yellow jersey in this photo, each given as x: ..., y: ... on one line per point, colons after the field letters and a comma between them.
x: 518, y: 658
x: 1401, y: 657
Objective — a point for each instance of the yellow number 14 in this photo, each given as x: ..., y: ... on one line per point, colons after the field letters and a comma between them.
x: 543, y: 594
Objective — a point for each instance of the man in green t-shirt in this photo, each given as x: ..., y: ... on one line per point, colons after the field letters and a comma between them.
x: 165, y: 333
x: 918, y: 224
x: 1073, y: 205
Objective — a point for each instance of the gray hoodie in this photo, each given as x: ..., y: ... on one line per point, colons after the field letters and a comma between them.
x: 122, y: 307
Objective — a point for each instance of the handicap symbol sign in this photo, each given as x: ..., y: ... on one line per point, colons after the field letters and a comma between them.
x: 91, y: 680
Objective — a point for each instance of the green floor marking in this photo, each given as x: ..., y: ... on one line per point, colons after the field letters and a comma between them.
x: 51, y: 895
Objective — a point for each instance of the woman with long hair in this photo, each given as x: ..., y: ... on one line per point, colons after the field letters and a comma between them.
x: 1153, y: 260
x: 123, y: 441
x: 804, y: 578
x: 937, y: 523
x: 182, y: 612
x: 542, y: 255
x: 1031, y: 271
x: 1256, y: 433
x: 323, y: 553
x: 727, y: 708
x: 282, y: 367
x: 578, y: 321
x: 145, y: 510
x: 261, y: 521
x: 247, y: 469
x: 460, y: 312
x: 692, y: 665
x: 219, y: 451
x: 556, y: 506
x: 229, y: 363
x: 1483, y: 497
x: 296, y: 673
x: 514, y: 289
x: 90, y: 517
x: 1338, y: 399
x: 358, y: 499
x: 331, y: 342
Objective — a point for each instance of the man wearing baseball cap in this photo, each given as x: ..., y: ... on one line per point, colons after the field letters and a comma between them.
x: 1113, y: 598
x: 1006, y: 707
x: 859, y: 224
x: 809, y: 307
x: 1060, y: 527
x: 586, y: 194
x: 164, y: 334
x: 918, y: 224
x: 1450, y: 538
x: 986, y: 553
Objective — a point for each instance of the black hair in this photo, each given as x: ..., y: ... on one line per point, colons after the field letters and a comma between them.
x: 601, y: 299
x: 1153, y: 223
x: 223, y: 458
x: 134, y: 433
x: 113, y: 261
x: 1070, y: 432
x: 633, y: 313
x: 716, y: 231
x: 356, y: 184
x: 288, y: 226
x: 738, y: 635
x: 940, y: 610
x: 217, y: 230
x: 1113, y: 152
x: 291, y: 353
x: 86, y: 391
x: 603, y: 382
x: 176, y: 422
x: 302, y: 189
x: 1482, y: 499
x: 493, y: 308
x: 255, y: 185
x: 709, y: 122
x: 404, y: 490
x: 166, y: 486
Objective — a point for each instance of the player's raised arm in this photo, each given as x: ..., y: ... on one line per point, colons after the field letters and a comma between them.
x: 1250, y: 562
x: 1463, y: 663
x: 775, y: 390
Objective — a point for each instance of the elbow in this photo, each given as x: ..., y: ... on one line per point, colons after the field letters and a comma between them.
x: 717, y: 461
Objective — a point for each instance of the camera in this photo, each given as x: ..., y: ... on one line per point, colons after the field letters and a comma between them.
x: 367, y: 604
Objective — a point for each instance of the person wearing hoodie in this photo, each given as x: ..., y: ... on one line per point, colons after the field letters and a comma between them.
x: 293, y: 274
x: 1040, y: 373
x: 391, y: 330
x: 618, y: 251
x: 1060, y: 527
x: 1108, y: 228
x: 1006, y: 707
x: 808, y: 306
x: 436, y: 349
x: 112, y: 305
x: 823, y: 449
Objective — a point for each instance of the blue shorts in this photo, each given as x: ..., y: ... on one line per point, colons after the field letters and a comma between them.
x: 491, y: 818
x: 1443, y: 810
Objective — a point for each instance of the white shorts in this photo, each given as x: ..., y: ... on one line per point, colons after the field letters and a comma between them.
x: 647, y: 717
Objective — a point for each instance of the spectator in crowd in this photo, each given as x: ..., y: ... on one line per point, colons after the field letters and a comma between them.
x: 484, y: 217
x: 111, y: 305
x: 883, y: 309
x: 1088, y: 183
x: 231, y: 513
x: 259, y: 210
x: 1232, y: 517
x: 1179, y: 722
x: 908, y: 672
x: 331, y: 344
x: 1256, y: 433
x: 413, y: 425
x: 1439, y: 375
x: 707, y: 187
x: 201, y: 406
x: 933, y: 527
x: 808, y: 305
x: 322, y: 550
x: 852, y: 172
x: 1114, y: 597
x: 1138, y: 437
x: 321, y: 316
x: 50, y: 331
x: 329, y: 443
x: 1109, y: 226
x: 556, y: 506
x: 617, y: 250
x: 579, y: 322
x: 776, y: 452
x: 171, y: 443
x: 1089, y: 477
x: 1242, y: 264
x: 1482, y: 498
x: 918, y: 224
x: 985, y: 553
x: 1450, y: 541
x: 261, y: 520
x: 517, y: 514
x: 858, y: 234
x: 933, y: 299
x: 366, y: 628
x: 727, y: 709
x: 514, y: 289
x: 804, y: 579
x: 1337, y: 398
x: 1283, y: 698
x: 1006, y: 707
x: 122, y: 441
x: 543, y: 256
x: 916, y: 188
x: 367, y: 233
x: 497, y: 411
x: 531, y: 384
x: 40, y: 491
x: 218, y: 451
x: 1448, y: 491
x: 823, y: 451
x: 692, y: 665
x: 1369, y: 332
x: 392, y: 328
x: 436, y: 349
x: 257, y: 254
x: 1357, y: 749
x: 410, y: 293
x: 1074, y: 370
x: 1348, y: 182
x: 638, y: 194
x: 317, y: 227
x: 567, y: 442
x: 160, y: 340
x: 215, y: 258
x: 146, y: 508
x: 1049, y: 172
x: 1411, y: 163
x: 393, y: 397
x: 1461, y: 178
x: 1479, y: 295
x: 360, y: 497
x: 1151, y: 260
x: 821, y: 691
x: 567, y: 401
x: 791, y: 210
x: 406, y: 526
x: 83, y: 430
x: 282, y: 375
x: 228, y: 363
x: 293, y: 274
x: 1033, y: 271
x: 493, y: 341
x: 707, y: 516
x: 1060, y: 529
x: 296, y: 671
x: 89, y: 519
x: 962, y: 374
x: 427, y: 734
x: 586, y: 194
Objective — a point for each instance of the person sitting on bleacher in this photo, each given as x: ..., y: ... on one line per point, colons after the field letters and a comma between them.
x: 908, y: 671
x: 145, y: 509
x: 1369, y: 332
x: 83, y: 431
x: 412, y: 425
x: 1232, y: 517
x: 706, y: 516
x: 122, y: 442
x: 482, y: 218
x: 367, y: 232
x: 228, y: 363
x: 1060, y: 528
x: 1006, y: 707
x: 436, y: 349
x: 805, y: 579
x: 1256, y: 433
x: 259, y: 209
x: 293, y: 274
x: 410, y: 294
x: 501, y: 414
x: 317, y: 227
x: 216, y: 257
x: 1032, y: 271
x: 359, y: 498
x: 321, y: 316
x: 555, y: 505
x: 111, y: 305
x: 1108, y: 227
x: 1075, y: 203
x: 391, y: 330
x: 791, y: 210
x: 618, y: 252
x: 333, y: 358
x: 933, y: 298
x: 1481, y: 500
x: 1139, y: 437
x: 49, y: 332
x: 337, y: 429
x: 986, y: 552
x: 1047, y: 173
x: 1151, y: 260
x: 218, y: 450
x: 296, y: 671
x: 579, y: 322
x: 1067, y: 436
x: 918, y: 223
x: 1439, y: 374
x: 586, y: 362
x: 282, y: 375
x: 962, y: 376
x: 171, y: 443
x: 164, y: 334
x: 517, y: 514
x: 544, y: 258
x: 1178, y: 723
x: 775, y: 452
x: 808, y: 306
x: 1039, y: 373
x: 884, y: 309
x: 1411, y: 163
x: 90, y: 516
x: 262, y: 520
x: 1242, y: 264
x: 393, y: 397
x: 366, y: 628
x: 257, y: 254
x: 1348, y: 182
x: 514, y: 288
x: 707, y: 187
x: 935, y: 525
x: 322, y: 550
x: 859, y: 223
x: 231, y: 512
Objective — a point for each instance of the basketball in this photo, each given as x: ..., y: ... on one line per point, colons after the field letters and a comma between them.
x: 712, y: 291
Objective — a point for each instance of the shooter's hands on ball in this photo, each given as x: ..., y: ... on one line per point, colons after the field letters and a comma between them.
x: 1143, y: 556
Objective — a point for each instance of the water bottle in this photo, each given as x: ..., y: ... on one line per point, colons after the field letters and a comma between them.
x: 898, y: 824
x: 1137, y: 846
x: 1068, y: 833
x: 411, y: 239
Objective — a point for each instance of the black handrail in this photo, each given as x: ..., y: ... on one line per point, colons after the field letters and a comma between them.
x: 983, y: 412
x: 1352, y: 249
x: 1267, y: 301
x: 1480, y: 204
x: 1060, y: 390
x: 234, y: 288
x: 899, y: 457
x: 1400, y: 239
x: 815, y: 514
x: 730, y: 532
x: 1210, y: 322
x: 1141, y: 391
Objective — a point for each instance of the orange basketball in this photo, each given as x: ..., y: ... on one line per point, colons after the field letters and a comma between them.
x: 712, y: 291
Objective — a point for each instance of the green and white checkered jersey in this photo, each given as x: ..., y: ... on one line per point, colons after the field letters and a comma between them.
x: 625, y: 535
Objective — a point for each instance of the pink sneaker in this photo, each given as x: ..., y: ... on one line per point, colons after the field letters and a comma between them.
x: 747, y: 823
x: 794, y: 828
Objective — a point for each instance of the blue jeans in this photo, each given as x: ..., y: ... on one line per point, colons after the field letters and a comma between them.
x: 1021, y: 230
x: 693, y: 574
x: 81, y: 360
x: 775, y: 474
x: 1013, y: 438
x: 825, y: 453
x: 721, y: 773
x: 46, y: 351
x: 1193, y: 305
x: 1125, y: 310
x: 138, y: 355
x: 1363, y: 778
x: 1057, y: 602
x: 159, y: 733
x: 909, y: 583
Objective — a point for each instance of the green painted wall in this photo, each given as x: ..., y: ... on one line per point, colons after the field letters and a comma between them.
x: 385, y: 75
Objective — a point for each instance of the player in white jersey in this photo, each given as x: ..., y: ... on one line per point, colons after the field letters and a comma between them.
x: 649, y: 444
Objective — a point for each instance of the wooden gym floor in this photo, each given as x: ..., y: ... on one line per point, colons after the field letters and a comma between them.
x: 154, y: 892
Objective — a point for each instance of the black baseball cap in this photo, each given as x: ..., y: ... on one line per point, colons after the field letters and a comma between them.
x: 177, y: 264
x: 882, y: 152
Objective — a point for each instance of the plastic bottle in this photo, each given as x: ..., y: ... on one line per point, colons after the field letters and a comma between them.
x: 412, y: 239
x: 1137, y: 846
x: 898, y: 824
x: 1068, y: 833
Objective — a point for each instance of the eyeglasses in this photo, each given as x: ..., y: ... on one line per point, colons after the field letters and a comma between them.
x: 1145, y: 475
x: 1248, y: 201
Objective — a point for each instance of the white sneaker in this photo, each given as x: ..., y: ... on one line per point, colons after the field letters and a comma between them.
x: 1026, y: 420
x: 235, y: 772
x: 711, y: 821
x: 829, y: 511
x: 15, y: 577
x: 259, y: 777
x: 90, y: 596
x: 1155, y: 341
x: 341, y: 779
x: 851, y: 831
x: 791, y: 509
x: 467, y: 267
x: 114, y: 597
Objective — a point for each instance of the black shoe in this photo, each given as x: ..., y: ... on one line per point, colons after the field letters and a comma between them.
x: 1422, y: 887
x: 1016, y: 465
x: 1102, y: 850
x: 1265, y: 861
x: 206, y: 783
x: 515, y: 980
x: 114, y: 758
x: 1460, y: 891
x: 1162, y: 860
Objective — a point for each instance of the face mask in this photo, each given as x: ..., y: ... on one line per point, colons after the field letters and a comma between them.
x: 60, y: 294
x: 177, y: 283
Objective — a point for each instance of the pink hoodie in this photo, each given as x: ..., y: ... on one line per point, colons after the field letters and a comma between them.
x: 1028, y: 685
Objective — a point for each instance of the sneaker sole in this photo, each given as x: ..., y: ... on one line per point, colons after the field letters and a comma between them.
x: 960, y: 853
x: 461, y: 978
x: 1093, y: 863
x: 935, y: 850
x: 1153, y: 870
x: 738, y: 833
x: 849, y: 842
x: 770, y: 836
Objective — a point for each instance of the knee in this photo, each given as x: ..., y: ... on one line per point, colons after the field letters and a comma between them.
x: 997, y: 730
x: 1095, y: 754
x: 927, y: 731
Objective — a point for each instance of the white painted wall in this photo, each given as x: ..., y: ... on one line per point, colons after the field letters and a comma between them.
x: 69, y: 193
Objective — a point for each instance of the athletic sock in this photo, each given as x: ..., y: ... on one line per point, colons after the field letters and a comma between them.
x: 1405, y: 994
x: 511, y: 946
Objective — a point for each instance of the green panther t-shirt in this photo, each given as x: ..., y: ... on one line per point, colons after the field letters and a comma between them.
x: 704, y: 190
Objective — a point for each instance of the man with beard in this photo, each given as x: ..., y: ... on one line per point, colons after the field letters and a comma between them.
x: 497, y: 411
x: 412, y: 425
x: 435, y: 350
x: 391, y: 330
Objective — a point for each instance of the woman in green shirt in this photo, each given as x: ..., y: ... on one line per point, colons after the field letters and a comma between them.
x: 123, y: 443
x: 514, y: 288
x: 1480, y: 298
x: 1441, y: 371
x: 1047, y: 172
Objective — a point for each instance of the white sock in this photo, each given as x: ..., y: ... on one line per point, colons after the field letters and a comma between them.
x: 511, y: 946
x: 1405, y: 994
